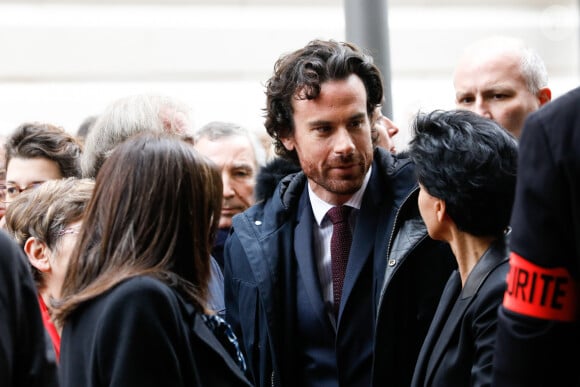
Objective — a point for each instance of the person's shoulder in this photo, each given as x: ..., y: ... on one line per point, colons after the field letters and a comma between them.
x: 142, y: 286
x: 570, y: 99
x: 284, y: 200
x: 4, y: 238
x: 554, y: 125
x: 7, y: 245
x: 271, y: 174
x: 16, y: 283
x: 393, y: 163
x: 398, y: 171
x: 492, y: 288
x: 135, y: 293
x: 560, y: 113
x: 138, y: 298
x: 12, y: 258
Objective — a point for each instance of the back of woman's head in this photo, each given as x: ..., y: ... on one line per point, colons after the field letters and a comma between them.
x: 470, y: 162
x: 154, y: 212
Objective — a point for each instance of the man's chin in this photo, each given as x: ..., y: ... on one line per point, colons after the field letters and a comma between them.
x: 225, y: 223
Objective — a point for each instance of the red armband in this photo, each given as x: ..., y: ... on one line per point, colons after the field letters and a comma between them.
x: 545, y: 293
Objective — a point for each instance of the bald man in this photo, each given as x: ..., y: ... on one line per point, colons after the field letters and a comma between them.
x: 502, y: 79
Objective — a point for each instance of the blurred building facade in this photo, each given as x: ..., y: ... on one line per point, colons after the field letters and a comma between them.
x: 65, y: 60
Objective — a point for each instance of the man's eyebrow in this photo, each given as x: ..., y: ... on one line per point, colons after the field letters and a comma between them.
x: 318, y: 123
x: 242, y: 164
x: 327, y: 122
x: 358, y: 115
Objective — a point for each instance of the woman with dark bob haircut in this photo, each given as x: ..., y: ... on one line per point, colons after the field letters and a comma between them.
x: 466, y: 166
x: 134, y: 297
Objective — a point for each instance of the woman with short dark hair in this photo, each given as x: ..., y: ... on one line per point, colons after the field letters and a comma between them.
x: 466, y: 166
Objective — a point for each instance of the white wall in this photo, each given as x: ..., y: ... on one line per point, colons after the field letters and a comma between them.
x: 63, y: 61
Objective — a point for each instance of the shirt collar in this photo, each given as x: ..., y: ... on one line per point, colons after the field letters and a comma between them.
x: 320, y: 207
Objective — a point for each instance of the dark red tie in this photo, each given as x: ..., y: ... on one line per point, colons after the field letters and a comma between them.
x: 339, y: 249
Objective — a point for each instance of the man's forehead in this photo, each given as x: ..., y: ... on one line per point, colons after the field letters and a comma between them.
x: 231, y: 149
x: 498, y: 71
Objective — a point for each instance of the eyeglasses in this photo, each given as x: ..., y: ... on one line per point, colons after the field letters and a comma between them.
x: 68, y: 230
x: 11, y: 191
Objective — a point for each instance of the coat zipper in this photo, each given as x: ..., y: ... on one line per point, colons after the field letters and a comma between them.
x: 390, y: 245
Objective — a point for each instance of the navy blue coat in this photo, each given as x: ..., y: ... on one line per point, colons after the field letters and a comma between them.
x: 400, y: 269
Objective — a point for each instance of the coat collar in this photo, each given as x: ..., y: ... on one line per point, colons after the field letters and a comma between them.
x: 493, y: 256
x: 207, y: 336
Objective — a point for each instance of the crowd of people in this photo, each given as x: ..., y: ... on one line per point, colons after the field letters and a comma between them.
x: 141, y: 251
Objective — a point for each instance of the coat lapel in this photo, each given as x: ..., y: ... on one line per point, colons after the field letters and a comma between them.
x: 494, y: 256
x: 201, y: 330
x: 432, y: 347
x: 360, y: 250
x: 304, y: 248
x: 374, y: 220
x: 448, y: 315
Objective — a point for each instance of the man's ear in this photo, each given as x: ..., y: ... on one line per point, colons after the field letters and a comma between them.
x: 37, y: 253
x: 544, y: 95
x: 288, y: 142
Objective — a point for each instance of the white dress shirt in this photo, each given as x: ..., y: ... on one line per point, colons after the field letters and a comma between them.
x: 323, y: 232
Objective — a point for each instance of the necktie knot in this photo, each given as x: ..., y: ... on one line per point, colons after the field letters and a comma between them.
x: 338, y: 214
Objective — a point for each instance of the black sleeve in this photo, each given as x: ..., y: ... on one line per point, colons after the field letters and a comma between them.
x: 23, y: 351
x: 538, y: 329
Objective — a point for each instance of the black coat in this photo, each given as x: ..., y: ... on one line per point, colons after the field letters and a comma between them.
x: 25, y: 358
x: 458, y: 349
x: 539, y: 334
x: 142, y: 333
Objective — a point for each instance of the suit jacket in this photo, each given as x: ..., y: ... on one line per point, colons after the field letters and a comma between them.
x: 142, y: 333
x: 458, y: 349
x: 394, y: 278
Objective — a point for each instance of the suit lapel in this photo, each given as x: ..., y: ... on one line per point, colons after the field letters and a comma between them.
x: 448, y: 297
x: 446, y: 322
x: 360, y: 250
x: 304, y: 248
x: 374, y: 220
x: 494, y: 256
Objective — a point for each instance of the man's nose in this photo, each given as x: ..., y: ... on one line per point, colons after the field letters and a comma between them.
x: 343, y: 143
x: 481, y: 107
x: 228, y: 189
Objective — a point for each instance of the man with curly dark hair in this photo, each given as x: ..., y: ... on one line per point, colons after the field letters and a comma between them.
x: 313, y: 308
